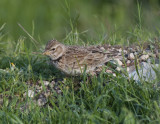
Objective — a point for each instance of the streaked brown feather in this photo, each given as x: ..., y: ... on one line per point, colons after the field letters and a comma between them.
x: 75, y: 58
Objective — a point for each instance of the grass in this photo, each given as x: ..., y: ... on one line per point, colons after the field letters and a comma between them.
x: 104, y: 99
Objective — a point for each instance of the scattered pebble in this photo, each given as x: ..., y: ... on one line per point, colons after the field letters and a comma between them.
x: 131, y: 56
x: 119, y: 62
x: 46, y: 83
x: 128, y: 61
x: 102, y: 48
x: 30, y: 93
x: 119, y: 54
x: 118, y: 69
x: 146, y: 72
x: 41, y: 101
x: 98, y: 69
x: 144, y: 57
x: 53, y: 82
x: 114, y: 74
x: 59, y: 91
x: 136, y: 53
x: 56, y: 87
x: 108, y: 71
x: 120, y: 50
x: 130, y: 49
x: 125, y: 51
x: 48, y: 93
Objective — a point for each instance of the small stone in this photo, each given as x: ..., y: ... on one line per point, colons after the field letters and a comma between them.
x: 56, y: 87
x: 46, y: 83
x: 145, y: 72
x: 144, y: 57
x: 131, y: 68
x: 48, y: 93
x: 131, y: 56
x: 108, y: 71
x: 118, y: 69
x: 42, y: 101
x: 125, y: 51
x: 114, y: 74
x: 102, y: 48
x: 130, y: 49
x: 59, y: 91
x: 136, y: 53
x: 128, y: 61
x: 119, y: 62
x: 144, y: 52
x: 38, y: 90
x: 53, y: 82
x: 38, y: 87
x: 120, y: 50
x: 99, y: 69
x: 30, y: 93
x: 119, y: 54
x: 113, y: 48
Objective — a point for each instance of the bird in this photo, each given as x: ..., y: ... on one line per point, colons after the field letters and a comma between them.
x: 75, y: 60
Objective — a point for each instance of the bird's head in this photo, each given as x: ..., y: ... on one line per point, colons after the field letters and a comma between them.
x: 54, y: 49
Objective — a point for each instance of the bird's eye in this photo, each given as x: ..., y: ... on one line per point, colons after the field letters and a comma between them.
x: 53, y: 49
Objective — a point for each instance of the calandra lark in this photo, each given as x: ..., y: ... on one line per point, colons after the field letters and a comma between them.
x: 73, y: 60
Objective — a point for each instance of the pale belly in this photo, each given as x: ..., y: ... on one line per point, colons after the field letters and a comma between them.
x: 73, y: 71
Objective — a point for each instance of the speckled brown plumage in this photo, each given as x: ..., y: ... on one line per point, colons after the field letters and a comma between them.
x: 75, y: 59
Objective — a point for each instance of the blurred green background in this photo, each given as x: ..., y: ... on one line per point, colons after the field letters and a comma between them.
x: 48, y: 19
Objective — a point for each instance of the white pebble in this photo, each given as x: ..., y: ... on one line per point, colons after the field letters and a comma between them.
x: 145, y: 72
x: 120, y: 50
x: 46, y: 83
x: 114, y: 74
x: 119, y: 62
x: 144, y: 57
x: 125, y: 51
x: 135, y: 53
x: 42, y: 101
x: 59, y: 91
x: 30, y: 93
x: 108, y: 71
x: 118, y: 69
x: 102, y: 48
x: 119, y: 54
x: 131, y: 56
x: 128, y: 61
x: 131, y: 49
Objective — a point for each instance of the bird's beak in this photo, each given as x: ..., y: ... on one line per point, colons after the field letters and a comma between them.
x: 46, y: 53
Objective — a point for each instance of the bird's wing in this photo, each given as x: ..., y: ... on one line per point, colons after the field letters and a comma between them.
x: 77, y: 57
